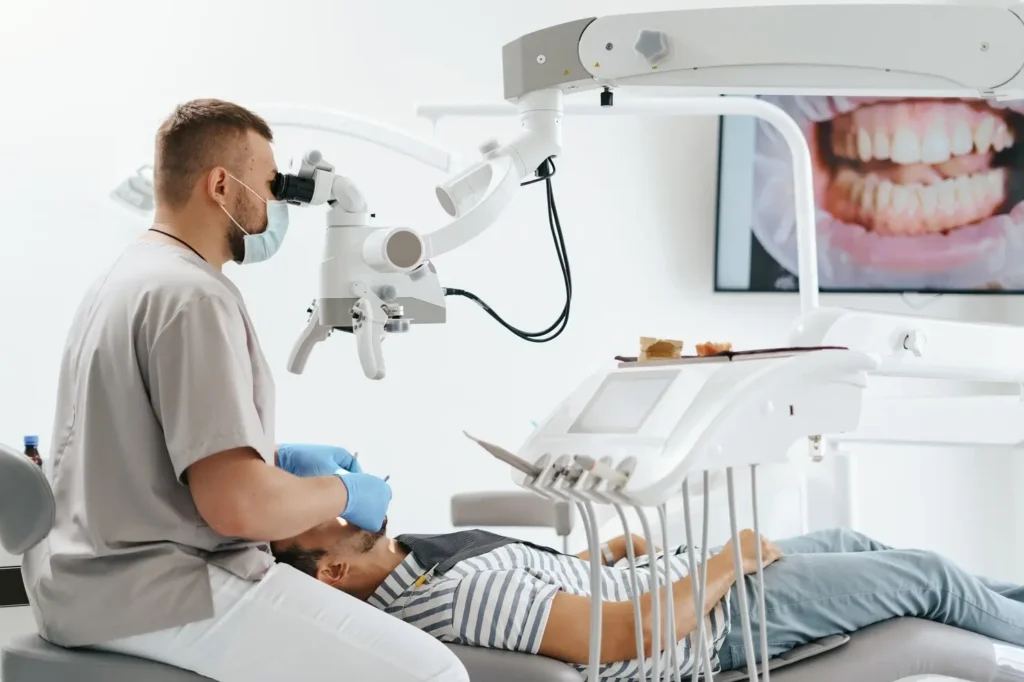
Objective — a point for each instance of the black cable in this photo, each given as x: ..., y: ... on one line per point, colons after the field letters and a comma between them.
x: 556, y: 328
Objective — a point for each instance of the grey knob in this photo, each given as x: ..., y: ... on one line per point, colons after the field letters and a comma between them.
x: 652, y: 45
x: 387, y: 292
x: 397, y: 326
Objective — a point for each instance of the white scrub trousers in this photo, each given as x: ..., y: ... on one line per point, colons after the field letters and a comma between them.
x: 289, y: 626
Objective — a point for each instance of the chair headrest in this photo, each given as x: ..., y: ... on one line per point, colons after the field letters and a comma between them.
x: 27, y: 507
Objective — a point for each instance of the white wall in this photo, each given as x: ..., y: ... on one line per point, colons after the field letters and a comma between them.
x: 86, y: 83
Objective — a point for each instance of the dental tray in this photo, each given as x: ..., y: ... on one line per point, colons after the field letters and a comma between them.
x: 725, y: 356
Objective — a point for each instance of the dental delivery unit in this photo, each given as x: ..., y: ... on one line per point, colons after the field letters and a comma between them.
x: 639, y: 434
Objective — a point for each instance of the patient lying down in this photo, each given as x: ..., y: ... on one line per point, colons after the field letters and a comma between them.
x: 524, y: 598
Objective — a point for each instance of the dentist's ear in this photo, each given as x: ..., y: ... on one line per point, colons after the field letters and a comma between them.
x: 217, y: 185
x: 333, y: 573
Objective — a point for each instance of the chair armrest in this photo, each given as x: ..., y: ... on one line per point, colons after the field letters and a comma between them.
x: 515, y: 508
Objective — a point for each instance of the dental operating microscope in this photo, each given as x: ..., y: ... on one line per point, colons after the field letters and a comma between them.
x: 375, y: 281
x: 369, y: 275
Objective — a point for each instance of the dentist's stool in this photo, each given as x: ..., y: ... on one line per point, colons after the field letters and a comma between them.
x: 26, y: 516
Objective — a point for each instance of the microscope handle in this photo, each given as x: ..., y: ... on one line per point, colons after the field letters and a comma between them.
x: 369, y: 335
x: 313, y: 334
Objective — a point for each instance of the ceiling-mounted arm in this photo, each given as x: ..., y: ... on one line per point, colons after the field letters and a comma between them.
x: 939, y: 48
x: 477, y: 196
x: 951, y: 48
x: 350, y: 125
x: 697, y: 106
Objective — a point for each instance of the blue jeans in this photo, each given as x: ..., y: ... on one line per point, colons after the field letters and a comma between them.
x: 839, y: 581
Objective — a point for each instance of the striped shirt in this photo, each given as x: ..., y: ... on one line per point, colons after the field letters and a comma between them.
x: 501, y: 600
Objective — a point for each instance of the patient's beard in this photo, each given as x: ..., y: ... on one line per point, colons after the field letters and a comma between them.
x: 369, y: 540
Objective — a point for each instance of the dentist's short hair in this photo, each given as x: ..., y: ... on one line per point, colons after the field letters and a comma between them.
x: 196, y: 138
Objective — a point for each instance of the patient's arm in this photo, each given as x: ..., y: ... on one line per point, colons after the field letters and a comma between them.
x: 617, y: 546
x: 567, y: 634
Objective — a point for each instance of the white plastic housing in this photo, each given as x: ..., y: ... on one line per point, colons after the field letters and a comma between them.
x: 541, y: 119
x: 459, y: 193
x: 922, y: 49
x: 344, y: 263
x: 708, y: 414
x: 397, y: 249
x: 971, y: 374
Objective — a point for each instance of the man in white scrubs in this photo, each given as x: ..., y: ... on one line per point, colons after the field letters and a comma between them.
x: 168, y: 482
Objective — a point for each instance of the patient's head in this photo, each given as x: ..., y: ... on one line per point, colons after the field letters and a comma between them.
x: 342, y: 555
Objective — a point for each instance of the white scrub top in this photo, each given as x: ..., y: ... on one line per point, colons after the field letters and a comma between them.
x: 161, y: 369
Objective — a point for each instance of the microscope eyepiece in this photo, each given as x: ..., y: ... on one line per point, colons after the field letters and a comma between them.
x: 293, y: 189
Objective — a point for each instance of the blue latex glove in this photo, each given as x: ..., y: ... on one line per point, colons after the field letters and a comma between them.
x: 315, y: 460
x: 368, y: 500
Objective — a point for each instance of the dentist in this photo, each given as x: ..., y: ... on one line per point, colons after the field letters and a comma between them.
x: 163, y: 461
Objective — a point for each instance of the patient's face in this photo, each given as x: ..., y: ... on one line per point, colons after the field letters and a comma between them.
x: 340, y: 554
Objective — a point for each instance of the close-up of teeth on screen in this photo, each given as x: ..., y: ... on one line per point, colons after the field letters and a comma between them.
x: 910, y: 194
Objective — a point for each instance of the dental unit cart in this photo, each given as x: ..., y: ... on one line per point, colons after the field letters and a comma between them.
x: 637, y: 435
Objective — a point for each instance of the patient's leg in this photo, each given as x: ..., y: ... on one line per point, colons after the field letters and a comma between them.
x: 810, y: 596
x: 1008, y: 590
x: 845, y: 540
x: 831, y: 540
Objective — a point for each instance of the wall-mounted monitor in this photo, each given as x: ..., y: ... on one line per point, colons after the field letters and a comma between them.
x: 911, y: 195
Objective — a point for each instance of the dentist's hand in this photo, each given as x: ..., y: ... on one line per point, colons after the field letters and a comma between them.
x: 315, y: 460
x: 368, y: 500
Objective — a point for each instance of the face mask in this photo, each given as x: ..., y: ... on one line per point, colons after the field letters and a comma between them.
x: 260, y: 247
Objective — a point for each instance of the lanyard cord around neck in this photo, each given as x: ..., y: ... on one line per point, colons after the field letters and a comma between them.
x: 178, y: 239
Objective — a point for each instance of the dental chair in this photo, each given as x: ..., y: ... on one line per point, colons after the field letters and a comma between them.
x: 884, y: 653
x: 894, y: 650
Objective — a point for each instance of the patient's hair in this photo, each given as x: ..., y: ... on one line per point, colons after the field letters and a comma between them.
x: 304, y: 560
x: 196, y: 138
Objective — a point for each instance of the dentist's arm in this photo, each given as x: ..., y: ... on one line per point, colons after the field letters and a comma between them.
x: 238, y: 495
x: 199, y: 376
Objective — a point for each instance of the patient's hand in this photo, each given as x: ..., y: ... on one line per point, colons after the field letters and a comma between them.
x: 748, y: 551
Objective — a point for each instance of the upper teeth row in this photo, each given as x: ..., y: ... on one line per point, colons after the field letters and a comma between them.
x: 938, y: 145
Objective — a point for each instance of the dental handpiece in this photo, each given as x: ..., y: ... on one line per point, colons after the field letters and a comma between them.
x: 613, y: 476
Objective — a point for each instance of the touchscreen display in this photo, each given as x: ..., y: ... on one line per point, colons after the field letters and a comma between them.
x: 623, y: 402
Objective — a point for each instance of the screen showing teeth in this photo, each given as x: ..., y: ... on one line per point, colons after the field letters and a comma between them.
x: 890, y: 208
x: 918, y: 132
x: 910, y: 194
x: 915, y: 167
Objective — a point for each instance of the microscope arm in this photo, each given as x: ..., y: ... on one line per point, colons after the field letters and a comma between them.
x: 477, y: 196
